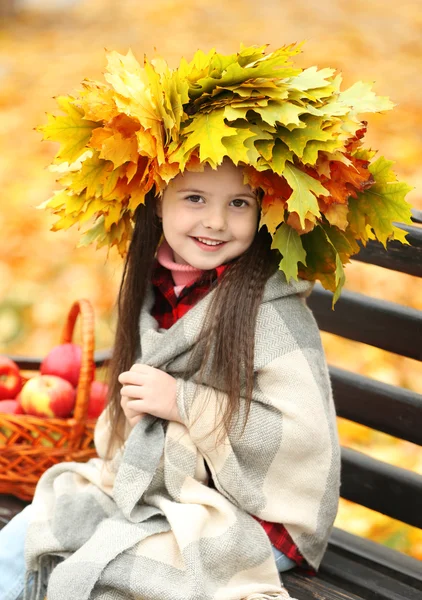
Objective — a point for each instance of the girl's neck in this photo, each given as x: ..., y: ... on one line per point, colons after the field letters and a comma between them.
x: 182, y: 274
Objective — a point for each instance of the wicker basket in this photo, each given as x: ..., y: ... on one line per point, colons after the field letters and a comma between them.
x: 33, y: 444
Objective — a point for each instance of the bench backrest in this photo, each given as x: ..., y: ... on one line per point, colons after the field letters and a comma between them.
x: 388, y: 489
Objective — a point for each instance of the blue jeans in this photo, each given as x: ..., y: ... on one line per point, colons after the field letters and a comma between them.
x: 12, y: 560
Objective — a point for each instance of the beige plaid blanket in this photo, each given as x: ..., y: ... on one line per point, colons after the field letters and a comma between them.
x: 146, y: 526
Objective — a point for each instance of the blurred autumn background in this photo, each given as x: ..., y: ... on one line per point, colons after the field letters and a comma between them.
x: 47, y: 47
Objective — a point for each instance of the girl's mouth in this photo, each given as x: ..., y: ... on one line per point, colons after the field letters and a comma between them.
x: 208, y: 245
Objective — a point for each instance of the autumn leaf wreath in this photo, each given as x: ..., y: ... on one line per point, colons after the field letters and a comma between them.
x: 297, y: 135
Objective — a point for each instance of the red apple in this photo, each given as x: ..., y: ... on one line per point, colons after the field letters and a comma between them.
x: 63, y: 361
x: 10, y: 378
x: 97, y: 399
x: 48, y: 396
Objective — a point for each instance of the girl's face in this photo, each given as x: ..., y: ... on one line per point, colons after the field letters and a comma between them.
x: 209, y: 218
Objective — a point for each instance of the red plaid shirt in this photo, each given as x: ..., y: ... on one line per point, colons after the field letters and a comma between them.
x: 167, y: 309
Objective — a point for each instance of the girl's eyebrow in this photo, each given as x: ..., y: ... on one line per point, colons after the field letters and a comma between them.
x: 195, y: 191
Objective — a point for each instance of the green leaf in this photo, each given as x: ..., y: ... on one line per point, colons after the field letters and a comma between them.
x: 362, y: 99
x: 206, y: 132
x: 381, y: 170
x: 289, y: 114
x: 305, y: 189
x: 91, y: 176
x: 298, y: 138
x: 271, y: 65
x: 235, y: 145
x: 323, y: 261
x: 281, y: 154
x: 72, y: 131
x: 383, y: 203
x: 287, y: 241
x: 311, y: 78
x: 97, y: 231
x: 271, y: 113
x: 310, y: 154
x: 259, y: 134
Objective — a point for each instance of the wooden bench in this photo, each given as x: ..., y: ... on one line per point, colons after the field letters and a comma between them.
x: 354, y: 568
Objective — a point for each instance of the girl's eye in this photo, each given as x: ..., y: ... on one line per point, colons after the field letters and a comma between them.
x: 239, y: 203
x: 194, y: 198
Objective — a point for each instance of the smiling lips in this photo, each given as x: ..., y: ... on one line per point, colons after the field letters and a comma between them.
x: 208, y: 244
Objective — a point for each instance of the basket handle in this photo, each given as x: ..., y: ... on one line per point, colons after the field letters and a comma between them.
x: 85, y: 310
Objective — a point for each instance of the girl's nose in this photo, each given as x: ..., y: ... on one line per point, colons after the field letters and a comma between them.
x: 215, y: 219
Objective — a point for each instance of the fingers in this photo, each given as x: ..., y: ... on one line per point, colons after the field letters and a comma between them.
x: 132, y: 391
x: 131, y: 377
x: 132, y: 408
x: 137, y: 374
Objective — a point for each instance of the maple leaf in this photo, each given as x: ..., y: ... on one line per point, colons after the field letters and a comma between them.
x: 305, y: 189
x: 96, y: 100
x: 320, y: 258
x: 314, y: 147
x: 346, y: 180
x: 271, y: 113
x: 288, y: 242
x: 298, y: 138
x: 289, y: 114
x: 311, y: 78
x: 71, y: 131
x: 362, y: 99
x: 205, y: 132
x: 235, y: 145
x: 265, y: 148
x: 114, y: 146
x: 251, y: 142
x: 336, y: 214
x: 281, y: 154
x: 91, y: 176
x: 234, y: 73
x: 140, y: 94
x: 382, y: 204
x: 327, y: 249
x: 272, y: 212
x: 112, y: 179
x: 294, y: 222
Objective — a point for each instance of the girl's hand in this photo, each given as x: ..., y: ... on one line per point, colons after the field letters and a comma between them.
x: 147, y: 390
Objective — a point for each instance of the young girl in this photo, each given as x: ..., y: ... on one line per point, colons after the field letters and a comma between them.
x: 218, y: 454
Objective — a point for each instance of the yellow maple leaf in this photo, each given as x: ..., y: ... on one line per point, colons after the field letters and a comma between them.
x: 272, y: 213
x: 336, y: 214
x: 97, y: 101
x: 235, y: 145
x: 91, y: 176
x: 71, y: 131
x: 305, y: 189
x: 205, y: 132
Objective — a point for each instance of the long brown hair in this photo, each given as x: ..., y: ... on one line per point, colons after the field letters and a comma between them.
x: 228, y: 331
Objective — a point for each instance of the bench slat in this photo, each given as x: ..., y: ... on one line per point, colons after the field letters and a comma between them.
x: 369, y: 321
x: 398, y: 257
x: 388, y: 489
x: 364, y: 578
x: 388, y: 408
x: 303, y: 587
x: 401, y: 566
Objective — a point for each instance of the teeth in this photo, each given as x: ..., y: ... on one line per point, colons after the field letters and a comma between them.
x: 209, y: 242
